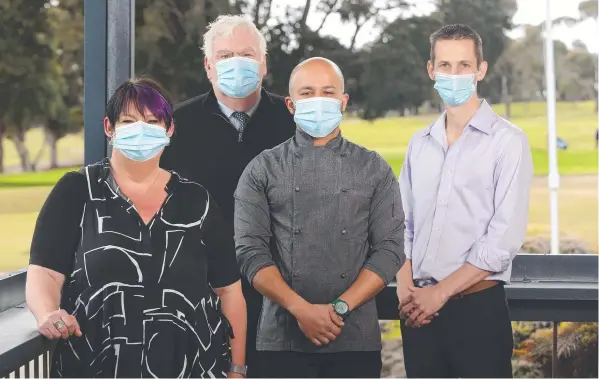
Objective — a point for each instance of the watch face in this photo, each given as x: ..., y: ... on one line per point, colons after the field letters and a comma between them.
x: 341, y: 308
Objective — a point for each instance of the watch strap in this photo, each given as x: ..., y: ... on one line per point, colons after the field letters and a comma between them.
x: 237, y: 369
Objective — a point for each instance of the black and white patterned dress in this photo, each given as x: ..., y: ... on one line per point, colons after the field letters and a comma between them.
x: 142, y: 294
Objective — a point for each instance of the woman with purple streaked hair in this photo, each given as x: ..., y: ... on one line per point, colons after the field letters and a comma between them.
x: 132, y: 267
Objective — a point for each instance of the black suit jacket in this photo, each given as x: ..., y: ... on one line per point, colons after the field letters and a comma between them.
x: 205, y: 147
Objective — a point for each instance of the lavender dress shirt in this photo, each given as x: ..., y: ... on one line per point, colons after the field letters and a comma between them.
x: 467, y: 203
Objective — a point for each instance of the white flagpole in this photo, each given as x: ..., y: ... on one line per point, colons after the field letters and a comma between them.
x: 551, y: 132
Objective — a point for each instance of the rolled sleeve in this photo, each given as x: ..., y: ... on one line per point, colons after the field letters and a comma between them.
x: 252, y: 222
x: 254, y: 265
x: 489, y: 258
x: 386, y: 227
x: 507, y: 228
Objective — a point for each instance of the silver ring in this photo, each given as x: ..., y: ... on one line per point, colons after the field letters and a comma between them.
x: 59, y: 324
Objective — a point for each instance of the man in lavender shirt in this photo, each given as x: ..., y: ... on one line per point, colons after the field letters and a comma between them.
x: 465, y: 187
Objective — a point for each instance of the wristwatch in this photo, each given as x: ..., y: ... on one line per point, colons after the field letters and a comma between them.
x: 237, y: 369
x: 341, y: 308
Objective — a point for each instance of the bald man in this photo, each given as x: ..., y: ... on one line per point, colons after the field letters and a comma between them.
x: 319, y: 232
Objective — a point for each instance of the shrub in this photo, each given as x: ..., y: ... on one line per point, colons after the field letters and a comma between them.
x: 577, y: 350
x: 525, y: 369
x: 541, y: 245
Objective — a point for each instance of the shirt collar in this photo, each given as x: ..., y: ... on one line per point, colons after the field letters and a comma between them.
x: 437, y: 130
x: 483, y: 120
x: 229, y: 112
x: 304, y: 140
x: 105, y: 175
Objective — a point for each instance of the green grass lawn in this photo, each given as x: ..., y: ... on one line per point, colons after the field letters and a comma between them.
x: 576, y: 123
x: 36, y: 179
x: 24, y: 194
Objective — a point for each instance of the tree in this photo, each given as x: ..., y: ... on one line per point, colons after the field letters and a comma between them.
x: 491, y: 19
x: 520, y: 69
x: 394, y: 73
x: 522, y: 65
x: 383, y: 85
x: 30, y: 77
x: 576, y: 73
x: 168, y: 40
x: 67, y: 21
x: 360, y: 12
x: 589, y: 10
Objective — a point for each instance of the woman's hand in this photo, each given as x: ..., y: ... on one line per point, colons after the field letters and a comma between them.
x: 233, y: 308
x: 59, y: 324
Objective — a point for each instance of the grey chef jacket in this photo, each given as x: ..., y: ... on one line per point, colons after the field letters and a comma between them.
x: 320, y: 214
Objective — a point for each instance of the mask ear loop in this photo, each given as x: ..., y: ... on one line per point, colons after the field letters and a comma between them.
x: 111, y: 139
x: 475, y: 80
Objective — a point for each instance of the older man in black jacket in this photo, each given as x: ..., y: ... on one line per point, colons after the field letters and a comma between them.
x: 218, y: 133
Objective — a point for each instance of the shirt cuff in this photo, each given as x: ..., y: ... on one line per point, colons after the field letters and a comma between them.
x: 489, y: 258
x: 408, y: 249
x: 255, y: 264
x: 384, y: 265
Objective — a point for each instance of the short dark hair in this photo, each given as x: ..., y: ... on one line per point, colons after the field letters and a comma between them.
x: 143, y: 93
x: 458, y: 32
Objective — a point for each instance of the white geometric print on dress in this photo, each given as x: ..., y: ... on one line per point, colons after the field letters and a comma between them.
x: 125, y: 293
x: 189, y: 224
x: 174, y: 240
x: 104, y: 226
x: 125, y: 258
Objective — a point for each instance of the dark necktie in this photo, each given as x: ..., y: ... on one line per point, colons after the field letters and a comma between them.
x: 243, y: 119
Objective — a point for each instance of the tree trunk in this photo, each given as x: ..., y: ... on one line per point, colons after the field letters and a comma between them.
x: 332, y: 7
x: 355, y: 36
x: 257, y: 14
x: 303, y: 27
x: 19, y: 141
x: 53, y: 143
x: 40, y: 153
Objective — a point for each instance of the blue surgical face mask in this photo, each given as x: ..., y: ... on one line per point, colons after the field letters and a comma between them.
x: 140, y: 141
x: 238, y: 77
x: 455, y: 90
x: 318, y: 116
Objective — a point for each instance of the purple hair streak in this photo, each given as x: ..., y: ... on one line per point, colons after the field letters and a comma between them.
x: 145, y: 95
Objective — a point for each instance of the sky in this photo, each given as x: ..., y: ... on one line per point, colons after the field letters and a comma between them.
x: 529, y: 12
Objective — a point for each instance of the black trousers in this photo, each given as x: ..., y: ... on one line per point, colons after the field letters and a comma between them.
x: 290, y: 364
x: 253, y: 300
x: 471, y: 337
